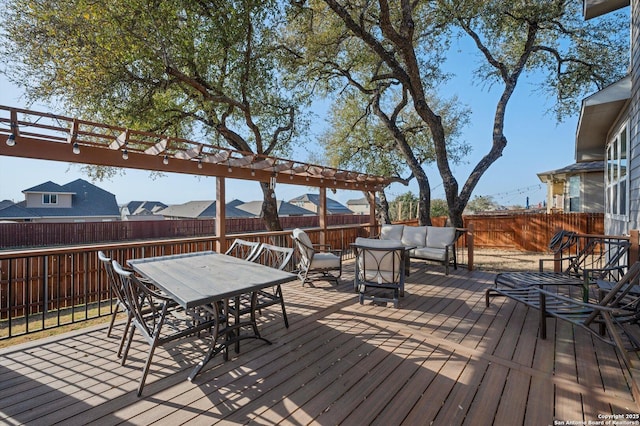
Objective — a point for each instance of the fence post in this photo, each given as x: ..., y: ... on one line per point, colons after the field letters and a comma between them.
x: 470, y: 231
x: 634, y: 248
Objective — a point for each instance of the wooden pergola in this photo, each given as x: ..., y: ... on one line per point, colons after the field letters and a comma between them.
x: 45, y: 136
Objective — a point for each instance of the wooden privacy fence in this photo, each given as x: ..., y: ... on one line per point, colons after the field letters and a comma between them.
x: 44, y: 234
x: 529, y: 232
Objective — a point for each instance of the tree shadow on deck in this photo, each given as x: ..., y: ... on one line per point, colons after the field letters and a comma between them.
x: 439, y: 357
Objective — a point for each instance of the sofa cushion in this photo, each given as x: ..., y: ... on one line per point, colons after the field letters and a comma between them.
x: 414, y: 236
x: 391, y: 232
x: 429, y: 253
x: 440, y: 237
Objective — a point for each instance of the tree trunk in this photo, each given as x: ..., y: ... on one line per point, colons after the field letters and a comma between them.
x: 383, y: 208
x: 270, y: 208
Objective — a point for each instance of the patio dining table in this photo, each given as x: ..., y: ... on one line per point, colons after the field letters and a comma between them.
x: 206, y: 279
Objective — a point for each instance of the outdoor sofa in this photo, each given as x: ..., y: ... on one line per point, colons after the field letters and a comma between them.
x: 434, y: 243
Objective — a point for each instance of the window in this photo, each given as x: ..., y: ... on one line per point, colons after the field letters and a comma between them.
x: 616, y: 174
x: 49, y: 198
x: 574, y: 193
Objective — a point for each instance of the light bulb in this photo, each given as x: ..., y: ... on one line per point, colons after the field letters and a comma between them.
x: 76, y: 148
x: 165, y: 160
x: 11, y: 141
x: 125, y: 154
x: 199, y: 164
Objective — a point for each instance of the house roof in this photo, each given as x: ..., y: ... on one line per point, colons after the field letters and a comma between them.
x: 145, y: 207
x: 333, y: 207
x: 573, y: 169
x: 49, y: 187
x: 594, y: 8
x: 597, y: 115
x: 284, y: 209
x: 201, y: 210
x: 364, y: 201
x: 11, y: 211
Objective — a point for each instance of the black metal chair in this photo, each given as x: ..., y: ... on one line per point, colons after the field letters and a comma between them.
x: 152, y: 314
x: 617, y: 308
x: 380, y: 264
x: 316, y: 260
x: 274, y: 257
x: 121, y: 301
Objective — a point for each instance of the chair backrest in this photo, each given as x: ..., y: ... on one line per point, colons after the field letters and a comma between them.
x: 562, y: 241
x: 380, y: 261
x: 148, y: 308
x: 304, y: 245
x: 243, y: 249
x: 114, y: 282
x: 601, y: 258
x: 273, y: 256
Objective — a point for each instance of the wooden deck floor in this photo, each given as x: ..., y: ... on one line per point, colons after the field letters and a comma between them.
x: 441, y: 358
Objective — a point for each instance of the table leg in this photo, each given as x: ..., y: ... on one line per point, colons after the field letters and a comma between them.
x: 231, y: 333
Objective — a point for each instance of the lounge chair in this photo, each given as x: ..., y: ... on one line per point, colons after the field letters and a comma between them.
x: 316, y: 260
x: 615, y: 311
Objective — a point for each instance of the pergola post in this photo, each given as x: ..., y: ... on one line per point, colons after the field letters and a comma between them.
x: 322, y: 214
x: 221, y: 228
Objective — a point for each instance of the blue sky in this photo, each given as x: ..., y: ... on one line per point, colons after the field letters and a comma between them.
x: 536, y: 144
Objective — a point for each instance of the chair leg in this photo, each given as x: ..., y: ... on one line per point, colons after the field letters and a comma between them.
x: 126, y: 349
x: 113, y: 319
x: 124, y: 335
x: 145, y: 370
x: 284, y: 311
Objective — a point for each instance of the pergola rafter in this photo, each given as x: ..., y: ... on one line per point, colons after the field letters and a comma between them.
x: 52, y: 137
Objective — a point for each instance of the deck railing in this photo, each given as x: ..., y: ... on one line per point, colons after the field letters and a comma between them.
x: 51, y: 287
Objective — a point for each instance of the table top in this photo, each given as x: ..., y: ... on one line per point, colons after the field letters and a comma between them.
x: 523, y: 279
x: 195, y: 279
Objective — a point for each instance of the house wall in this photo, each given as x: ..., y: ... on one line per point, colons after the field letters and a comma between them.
x: 34, y: 200
x: 592, y: 193
x: 358, y: 208
x: 634, y: 136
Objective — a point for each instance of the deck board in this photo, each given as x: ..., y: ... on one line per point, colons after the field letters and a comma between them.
x: 441, y: 357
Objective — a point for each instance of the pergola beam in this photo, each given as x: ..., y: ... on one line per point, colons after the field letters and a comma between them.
x: 47, y: 136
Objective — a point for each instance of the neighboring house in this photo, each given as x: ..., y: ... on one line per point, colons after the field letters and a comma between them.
x: 312, y: 202
x: 284, y: 209
x: 142, y: 210
x: 200, y: 210
x: 608, y: 130
x: 77, y: 201
x: 576, y: 188
x: 359, y: 206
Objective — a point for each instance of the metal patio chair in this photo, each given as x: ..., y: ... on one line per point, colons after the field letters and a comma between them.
x: 243, y: 249
x: 152, y: 314
x: 274, y: 257
x: 380, y: 264
x: 121, y: 301
x: 316, y: 260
